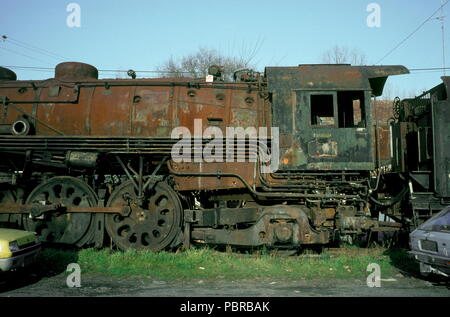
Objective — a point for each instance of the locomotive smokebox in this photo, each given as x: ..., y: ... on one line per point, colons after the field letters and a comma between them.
x: 75, y: 71
x: 7, y: 74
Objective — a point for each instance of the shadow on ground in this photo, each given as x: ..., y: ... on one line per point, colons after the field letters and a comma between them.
x: 53, y: 261
x: 409, y: 267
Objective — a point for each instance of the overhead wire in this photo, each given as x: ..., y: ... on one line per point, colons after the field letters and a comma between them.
x: 427, y: 69
x: 100, y: 70
x: 413, y: 32
x: 34, y: 48
x: 24, y: 55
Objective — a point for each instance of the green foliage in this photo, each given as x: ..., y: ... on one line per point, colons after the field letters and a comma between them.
x: 203, y: 263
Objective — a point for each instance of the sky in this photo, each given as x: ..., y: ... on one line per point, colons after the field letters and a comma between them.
x: 141, y: 35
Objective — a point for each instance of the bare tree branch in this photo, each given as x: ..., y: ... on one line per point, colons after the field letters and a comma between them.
x: 343, y: 55
x: 196, y: 65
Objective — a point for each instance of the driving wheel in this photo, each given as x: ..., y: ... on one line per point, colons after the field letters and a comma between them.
x: 154, y: 221
x: 70, y: 228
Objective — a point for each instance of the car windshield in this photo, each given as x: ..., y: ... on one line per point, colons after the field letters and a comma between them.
x: 440, y: 222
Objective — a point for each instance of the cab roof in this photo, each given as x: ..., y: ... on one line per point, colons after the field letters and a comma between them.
x: 332, y: 77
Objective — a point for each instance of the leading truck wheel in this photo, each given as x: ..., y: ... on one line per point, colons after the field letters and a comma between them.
x: 153, y: 223
x: 76, y: 229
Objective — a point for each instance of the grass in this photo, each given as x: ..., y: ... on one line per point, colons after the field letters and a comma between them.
x: 203, y: 263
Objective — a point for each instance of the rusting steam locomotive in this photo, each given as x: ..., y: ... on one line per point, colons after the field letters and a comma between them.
x: 81, y: 157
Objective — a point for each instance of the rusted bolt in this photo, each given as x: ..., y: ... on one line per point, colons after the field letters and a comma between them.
x: 264, y: 94
x: 136, y: 99
x: 262, y: 234
x: 249, y: 100
x: 126, y: 210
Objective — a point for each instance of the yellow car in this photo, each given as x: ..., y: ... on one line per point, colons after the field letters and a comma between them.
x: 18, y: 248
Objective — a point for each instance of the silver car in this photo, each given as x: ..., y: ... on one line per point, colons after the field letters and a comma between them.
x: 430, y: 244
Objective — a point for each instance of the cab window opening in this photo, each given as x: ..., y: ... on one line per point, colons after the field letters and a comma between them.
x: 322, y: 110
x: 351, y: 110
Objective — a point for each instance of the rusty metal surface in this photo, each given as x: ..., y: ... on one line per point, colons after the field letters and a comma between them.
x: 341, y: 144
x: 421, y: 140
x: 39, y: 209
x: 110, y: 109
x: 7, y: 74
x: 383, y: 143
x: 71, y: 71
x: 152, y: 224
x: 222, y: 216
x: 128, y: 108
x: 277, y: 225
x: 62, y: 228
x: 332, y: 77
x: 115, y: 136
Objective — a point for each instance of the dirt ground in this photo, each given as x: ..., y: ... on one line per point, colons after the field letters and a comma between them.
x: 92, y: 285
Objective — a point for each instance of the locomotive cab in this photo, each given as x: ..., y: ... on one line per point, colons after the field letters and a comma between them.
x: 324, y: 114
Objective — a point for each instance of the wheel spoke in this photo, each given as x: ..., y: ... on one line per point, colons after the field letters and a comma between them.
x: 50, y: 195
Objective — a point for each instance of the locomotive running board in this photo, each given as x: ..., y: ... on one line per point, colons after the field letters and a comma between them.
x: 36, y: 210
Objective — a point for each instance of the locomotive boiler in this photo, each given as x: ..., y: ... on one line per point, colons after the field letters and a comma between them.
x: 84, y: 160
